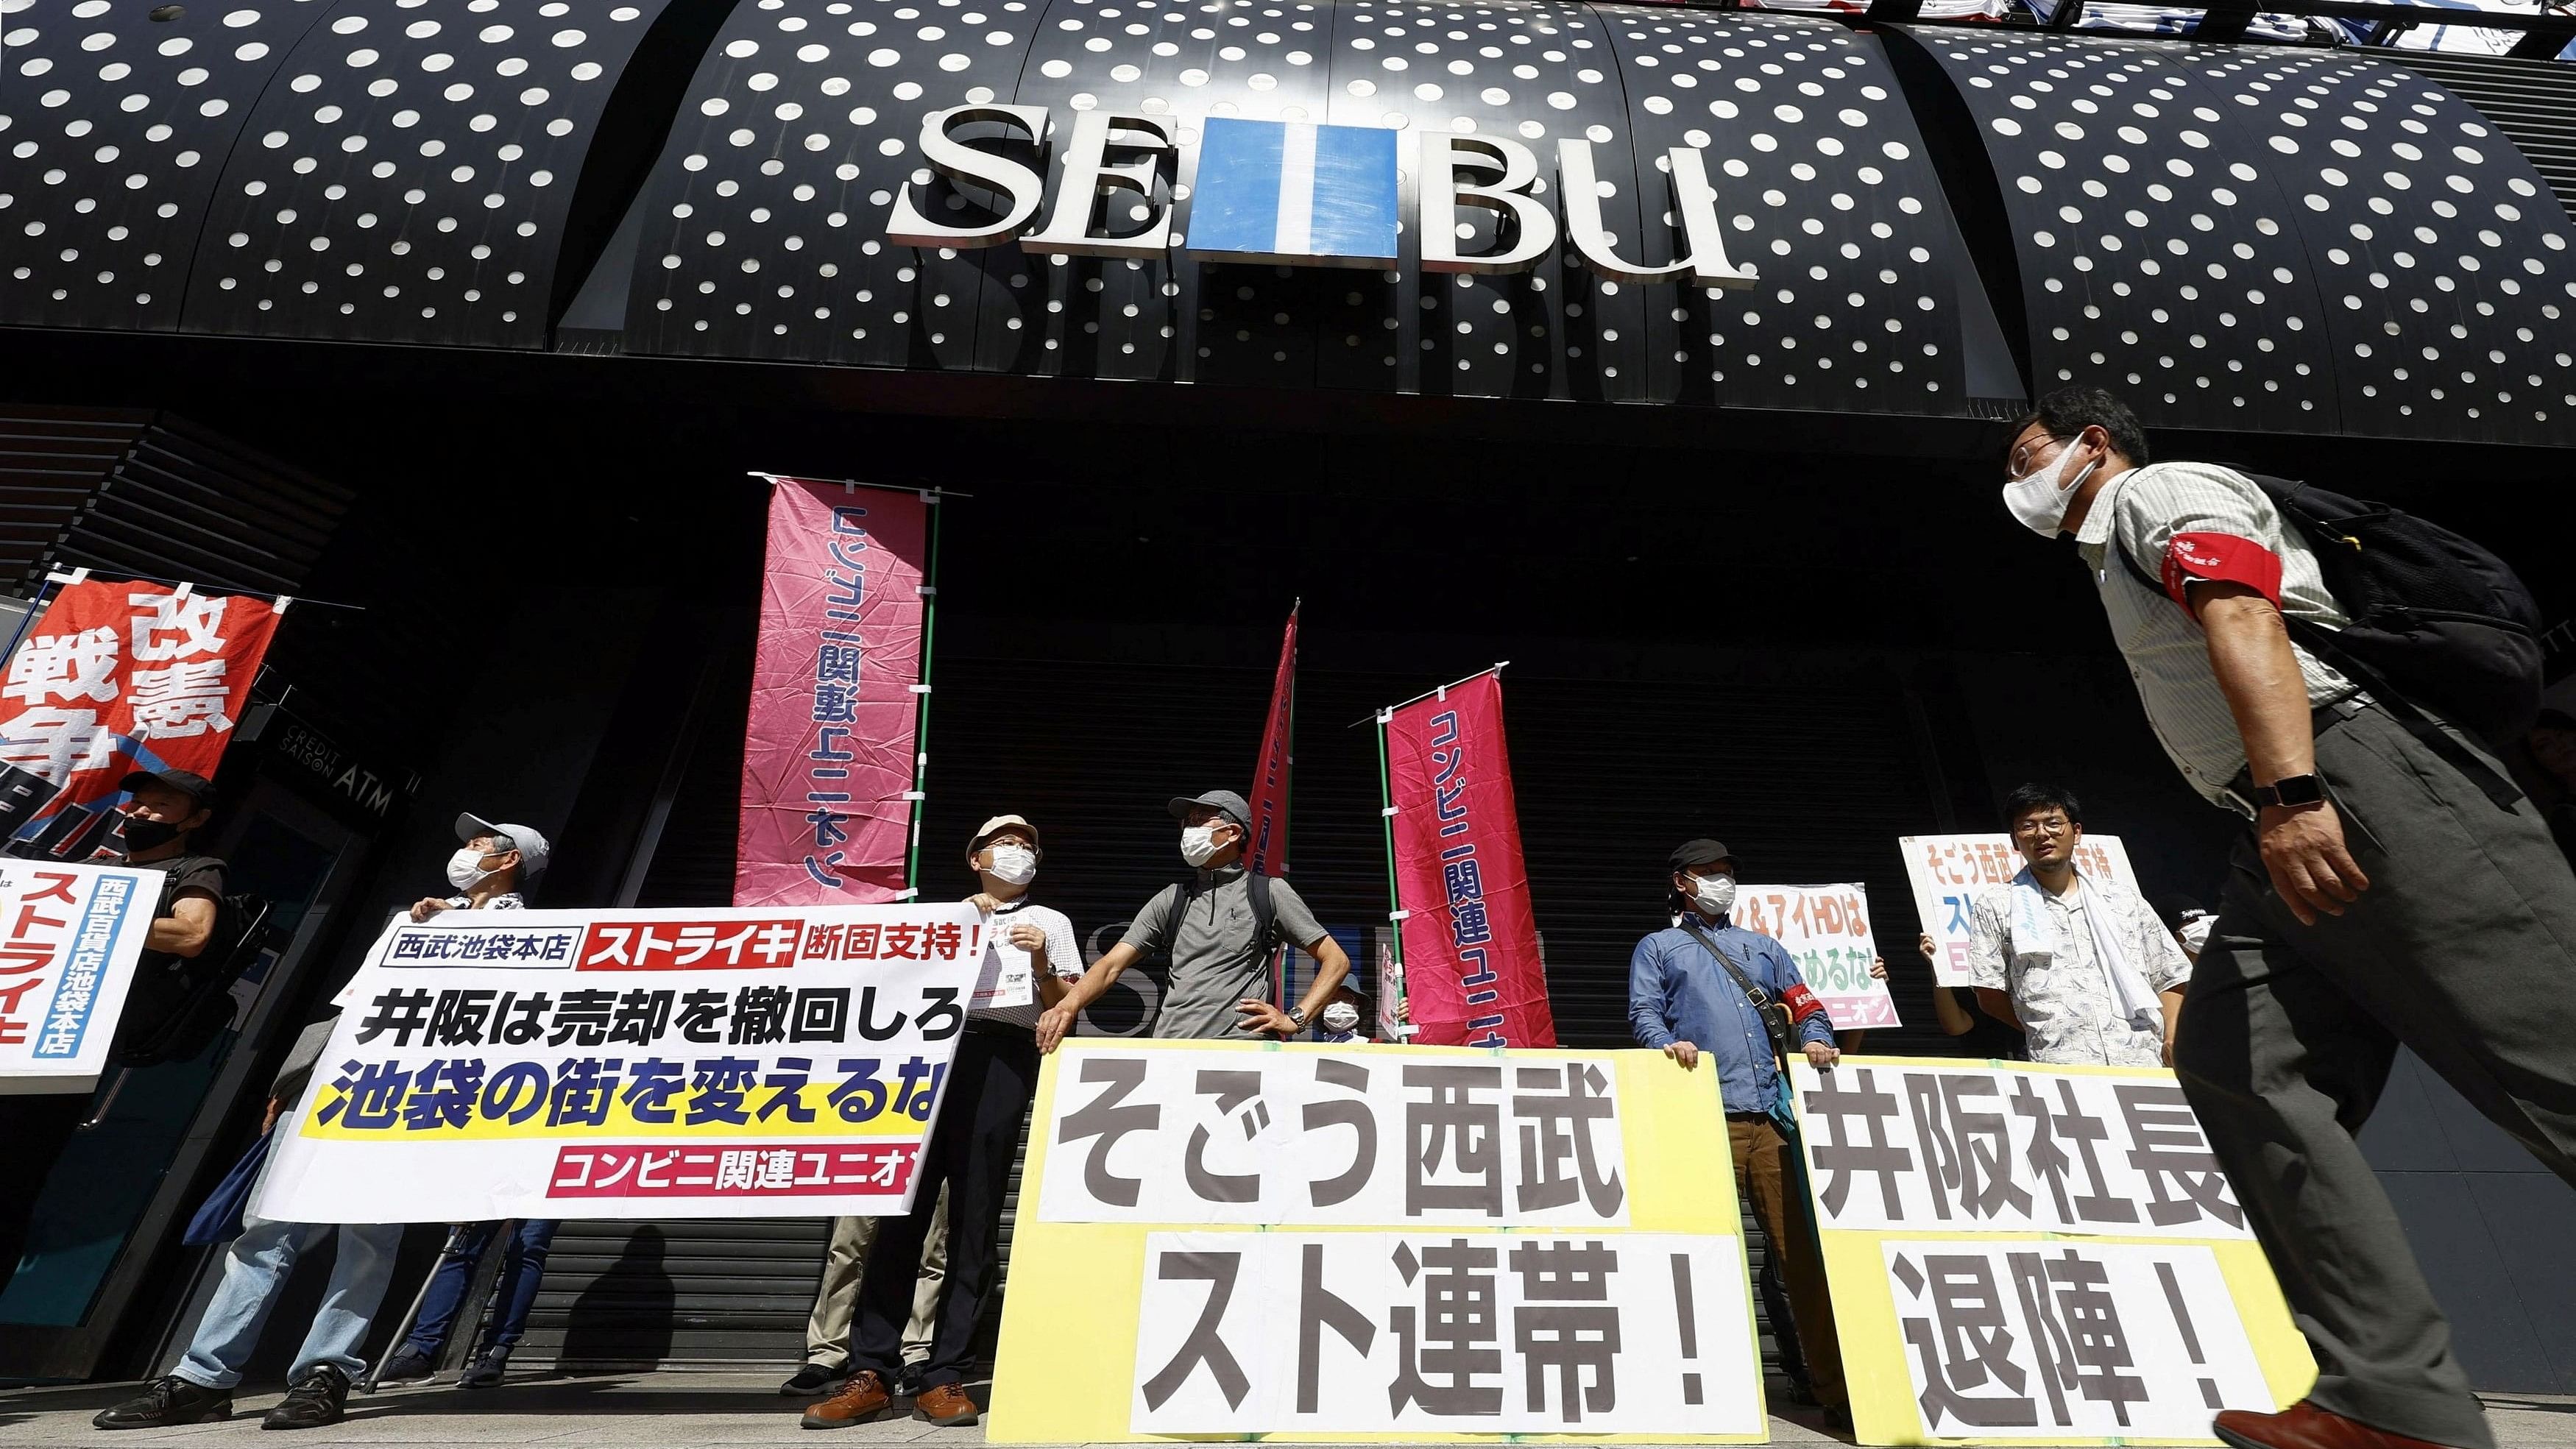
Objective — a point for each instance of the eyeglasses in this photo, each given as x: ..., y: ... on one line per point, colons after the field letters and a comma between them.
x: 2056, y: 826
x: 2023, y: 458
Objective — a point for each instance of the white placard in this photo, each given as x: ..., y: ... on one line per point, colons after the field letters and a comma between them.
x: 1291, y: 1139
x: 1949, y: 872
x: 1826, y: 930
x: 69, y: 938
x: 756, y: 1062
x: 1340, y: 1333
x: 2010, y: 1149
x: 2049, y: 1341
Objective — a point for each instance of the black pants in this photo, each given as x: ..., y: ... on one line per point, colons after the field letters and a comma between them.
x: 36, y: 1127
x: 989, y: 1089
x: 2463, y: 948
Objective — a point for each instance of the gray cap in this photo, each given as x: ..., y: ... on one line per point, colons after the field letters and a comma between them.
x: 1224, y: 800
x: 524, y: 839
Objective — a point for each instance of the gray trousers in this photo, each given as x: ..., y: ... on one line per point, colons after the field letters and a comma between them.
x: 2464, y: 949
x: 827, y: 1331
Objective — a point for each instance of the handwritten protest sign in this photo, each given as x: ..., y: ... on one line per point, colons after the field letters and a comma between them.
x: 1948, y: 872
x: 1826, y: 931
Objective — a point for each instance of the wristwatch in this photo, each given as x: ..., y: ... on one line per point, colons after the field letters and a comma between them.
x: 1297, y: 1014
x: 2292, y: 790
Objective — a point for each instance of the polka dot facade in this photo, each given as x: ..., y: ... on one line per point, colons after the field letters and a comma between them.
x: 2445, y: 264
x: 1823, y: 188
x: 407, y: 177
x: 113, y: 128
x: 2159, y: 255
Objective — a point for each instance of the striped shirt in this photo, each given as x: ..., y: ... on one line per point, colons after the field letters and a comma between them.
x: 2167, y: 650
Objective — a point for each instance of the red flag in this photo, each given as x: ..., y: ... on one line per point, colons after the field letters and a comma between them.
x: 116, y: 678
x: 1268, y: 854
x: 1472, y: 973
x: 827, y: 762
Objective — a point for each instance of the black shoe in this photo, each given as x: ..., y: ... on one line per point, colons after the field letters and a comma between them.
x: 486, y: 1369
x: 1838, y: 1418
x: 408, y: 1366
x: 165, y: 1402
x: 816, y: 1381
x: 320, y: 1397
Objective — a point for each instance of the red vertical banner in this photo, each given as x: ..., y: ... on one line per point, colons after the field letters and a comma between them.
x: 1472, y: 974
x: 113, y: 678
x: 827, y: 760
x: 1268, y: 854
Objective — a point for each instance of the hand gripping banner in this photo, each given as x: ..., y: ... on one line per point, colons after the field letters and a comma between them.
x: 1468, y: 941
x: 114, y: 678
x: 829, y: 778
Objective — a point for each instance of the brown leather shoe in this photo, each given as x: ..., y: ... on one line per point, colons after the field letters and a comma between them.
x: 863, y: 1400
x: 945, y: 1404
x: 2305, y: 1426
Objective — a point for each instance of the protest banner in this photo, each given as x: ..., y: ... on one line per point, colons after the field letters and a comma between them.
x: 1266, y: 852
x: 69, y: 936
x: 2023, y: 1252
x: 1466, y: 937
x: 778, y: 1062
x: 830, y: 755
x: 1949, y: 872
x: 1380, y: 1242
x: 114, y: 678
x: 1825, y: 929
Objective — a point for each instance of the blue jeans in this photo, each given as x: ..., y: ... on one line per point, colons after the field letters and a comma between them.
x: 256, y: 1266
x: 523, y: 1266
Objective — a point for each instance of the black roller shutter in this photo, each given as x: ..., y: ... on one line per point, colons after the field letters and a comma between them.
x: 2532, y: 101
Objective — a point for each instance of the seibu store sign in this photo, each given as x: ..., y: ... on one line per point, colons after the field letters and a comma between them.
x: 1295, y: 194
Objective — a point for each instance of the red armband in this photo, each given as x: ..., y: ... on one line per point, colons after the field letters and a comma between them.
x: 1801, y: 1002
x: 2220, y: 558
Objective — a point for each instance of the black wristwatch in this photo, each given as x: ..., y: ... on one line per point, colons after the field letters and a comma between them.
x: 2292, y: 790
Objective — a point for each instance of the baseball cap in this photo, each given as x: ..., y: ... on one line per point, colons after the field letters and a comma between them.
x: 996, y: 826
x: 1222, y: 800
x: 531, y: 846
x: 187, y: 782
x: 1701, y: 852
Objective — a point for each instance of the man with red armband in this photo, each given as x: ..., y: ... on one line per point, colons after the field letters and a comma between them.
x: 1703, y: 989
x: 2388, y: 888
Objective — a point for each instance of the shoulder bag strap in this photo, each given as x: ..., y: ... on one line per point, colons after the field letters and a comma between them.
x: 1765, y: 1005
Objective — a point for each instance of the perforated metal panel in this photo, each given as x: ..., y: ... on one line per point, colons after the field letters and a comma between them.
x: 408, y: 177
x: 113, y: 126
x: 2255, y: 238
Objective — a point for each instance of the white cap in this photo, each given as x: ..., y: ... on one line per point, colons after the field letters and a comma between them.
x: 531, y: 846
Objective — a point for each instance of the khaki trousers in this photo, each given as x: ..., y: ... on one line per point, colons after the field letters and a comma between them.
x: 827, y: 1333
x: 1764, y: 1173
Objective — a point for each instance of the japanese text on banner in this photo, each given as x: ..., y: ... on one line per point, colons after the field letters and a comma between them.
x: 113, y: 678
x: 69, y: 939
x: 1825, y: 929
x: 2051, y: 1253
x: 827, y: 770
x: 751, y: 1062
x: 1949, y: 872
x: 1472, y: 973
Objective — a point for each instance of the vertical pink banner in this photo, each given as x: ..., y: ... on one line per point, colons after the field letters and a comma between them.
x: 1471, y: 965
x: 827, y: 761
x: 1269, y: 802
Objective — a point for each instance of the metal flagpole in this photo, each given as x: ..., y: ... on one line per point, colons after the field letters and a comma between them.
x: 921, y: 718
x: 1494, y: 668
x: 1395, y: 912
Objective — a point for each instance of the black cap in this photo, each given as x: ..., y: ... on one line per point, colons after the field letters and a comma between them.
x: 1224, y: 802
x: 1701, y: 852
x: 187, y: 782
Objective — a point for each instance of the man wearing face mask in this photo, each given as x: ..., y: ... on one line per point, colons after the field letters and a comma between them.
x: 162, y: 815
x: 2380, y: 894
x: 1699, y: 989
x: 1029, y: 958
x: 491, y: 870
x: 1221, y: 929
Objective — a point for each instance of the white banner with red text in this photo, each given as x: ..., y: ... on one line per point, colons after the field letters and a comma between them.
x: 744, y: 1062
x: 69, y: 936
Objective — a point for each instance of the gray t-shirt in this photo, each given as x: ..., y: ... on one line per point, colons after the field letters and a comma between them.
x: 1216, y: 961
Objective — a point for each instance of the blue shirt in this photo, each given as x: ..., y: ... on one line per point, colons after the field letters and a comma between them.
x: 1677, y: 991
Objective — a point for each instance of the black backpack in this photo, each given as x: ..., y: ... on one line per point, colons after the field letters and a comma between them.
x: 2436, y: 619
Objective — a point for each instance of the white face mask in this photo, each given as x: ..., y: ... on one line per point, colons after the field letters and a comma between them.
x: 2041, y: 497
x: 465, y: 868
x: 1198, y: 844
x: 1014, y: 864
x: 1714, y: 894
x: 1341, y: 1016
x: 2195, y: 933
